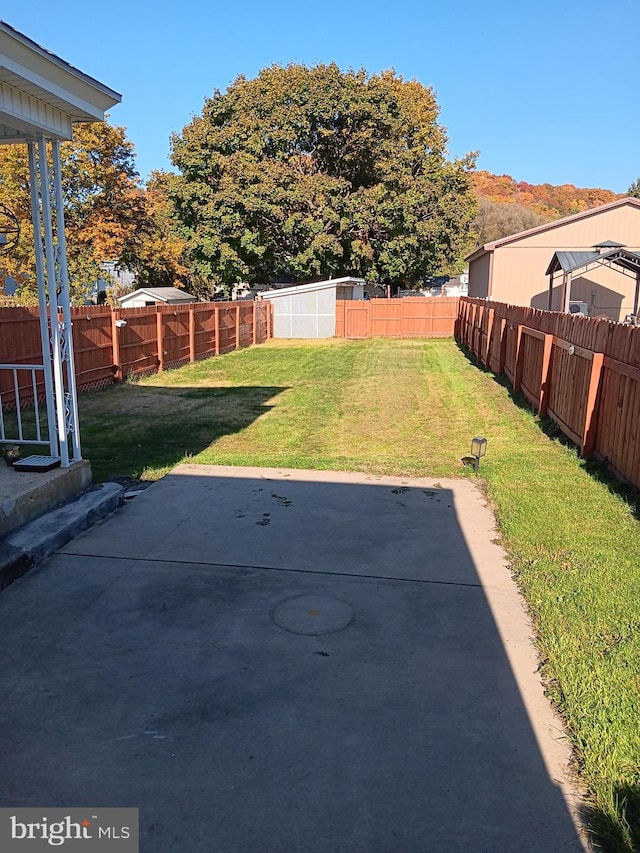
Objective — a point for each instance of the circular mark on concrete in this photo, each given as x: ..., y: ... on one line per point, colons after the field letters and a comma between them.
x: 312, y: 614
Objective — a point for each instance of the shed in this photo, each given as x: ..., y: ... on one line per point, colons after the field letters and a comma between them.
x: 309, y: 310
x: 516, y: 269
x: 156, y: 296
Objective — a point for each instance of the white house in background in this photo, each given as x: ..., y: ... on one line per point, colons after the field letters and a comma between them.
x: 309, y: 310
x: 117, y: 275
x: 146, y: 296
x: 457, y: 285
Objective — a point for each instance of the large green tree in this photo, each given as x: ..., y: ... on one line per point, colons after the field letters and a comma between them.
x: 313, y: 172
x: 155, y: 251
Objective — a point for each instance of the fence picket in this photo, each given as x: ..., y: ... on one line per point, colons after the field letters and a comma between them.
x: 589, y: 379
x: 151, y: 338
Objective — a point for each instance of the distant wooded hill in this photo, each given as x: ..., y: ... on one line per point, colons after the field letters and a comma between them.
x: 547, y: 200
x: 507, y: 206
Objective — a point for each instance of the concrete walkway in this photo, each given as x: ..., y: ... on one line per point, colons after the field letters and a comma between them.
x: 270, y: 660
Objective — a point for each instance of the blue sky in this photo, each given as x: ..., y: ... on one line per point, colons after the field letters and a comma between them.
x: 545, y: 90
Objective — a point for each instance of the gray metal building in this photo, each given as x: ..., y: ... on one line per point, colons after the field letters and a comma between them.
x: 309, y: 310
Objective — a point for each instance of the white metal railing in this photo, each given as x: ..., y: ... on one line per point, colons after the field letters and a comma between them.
x: 32, y: 432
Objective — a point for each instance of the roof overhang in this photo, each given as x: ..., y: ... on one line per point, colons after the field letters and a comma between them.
x: 156, y: 294
x: 627, y: 201
x: 623, y: 260
x: 478, y: 253
x: 41, y: 94
x: 314, y: 285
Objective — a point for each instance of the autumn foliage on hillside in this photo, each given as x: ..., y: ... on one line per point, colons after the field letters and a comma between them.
x: 549, y: 201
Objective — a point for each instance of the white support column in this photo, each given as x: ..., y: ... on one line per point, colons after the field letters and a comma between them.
x: 35, y: 183
x: 56, y: 342
x: 66, y: 327
x: 567, y: 293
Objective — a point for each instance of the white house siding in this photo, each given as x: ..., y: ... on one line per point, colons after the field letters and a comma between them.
x: 140, y: 302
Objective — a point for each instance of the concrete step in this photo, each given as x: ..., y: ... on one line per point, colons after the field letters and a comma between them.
x: 22, y: 549
x: 24, y: 496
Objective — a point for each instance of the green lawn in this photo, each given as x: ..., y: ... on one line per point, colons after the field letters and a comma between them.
x: 412, y: 407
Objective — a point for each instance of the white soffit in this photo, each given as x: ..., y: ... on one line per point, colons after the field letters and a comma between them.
x: 42, y: 94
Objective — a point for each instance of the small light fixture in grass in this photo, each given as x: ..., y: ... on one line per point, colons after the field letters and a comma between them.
x: 478, y: 450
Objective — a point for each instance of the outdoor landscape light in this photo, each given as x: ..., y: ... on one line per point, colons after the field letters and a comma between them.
x: 478, y: 450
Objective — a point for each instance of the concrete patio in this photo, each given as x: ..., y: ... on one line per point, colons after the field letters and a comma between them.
x: 272, y: 660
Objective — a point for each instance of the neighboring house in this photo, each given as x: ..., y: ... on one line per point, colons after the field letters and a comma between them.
x: 309, y: 310
x: 554, y: 264
x: 119, y: 276
x: 155, y: 296
x: 457, y: 286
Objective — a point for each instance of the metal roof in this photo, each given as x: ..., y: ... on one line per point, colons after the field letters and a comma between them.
x: 314, y: 285
x: 569, y: 262
x: 609, y: 244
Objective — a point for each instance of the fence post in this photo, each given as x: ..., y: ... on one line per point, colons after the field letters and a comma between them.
x: 192, y: 333
x: 474, y: 330
x: 254, y: 320
x: 216, y: 327
x: 517, y: 375
x: 115, y: 346
x: 590, y: 420
x: 543, y: 402
x: 469, y: 338
x: 487, y: 357
x: 503, y: 346
x: 269, y: 329
x: 160, y: 336
x: 477, y: 341
x: 237, y: 325
x: 338, y: 309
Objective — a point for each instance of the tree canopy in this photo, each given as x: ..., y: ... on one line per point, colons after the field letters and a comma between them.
x: 313, y: 172
x: 108, y: 213
x: 156, y: 252
x: 501, y: 219
x: 634, y: 189
x: 547, y: 200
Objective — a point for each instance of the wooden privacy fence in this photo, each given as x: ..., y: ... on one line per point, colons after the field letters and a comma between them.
x: 409, y: 317
x: 581, y: 372
x: 112, y: 344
